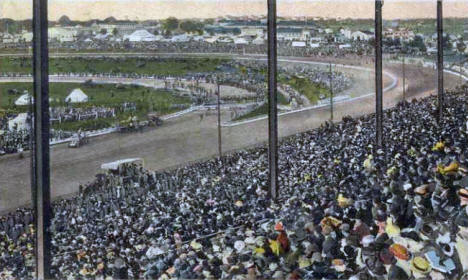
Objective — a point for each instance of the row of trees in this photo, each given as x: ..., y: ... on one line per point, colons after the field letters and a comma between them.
x: 172, y: 24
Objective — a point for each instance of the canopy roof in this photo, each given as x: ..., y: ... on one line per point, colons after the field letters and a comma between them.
x: 115, y: 164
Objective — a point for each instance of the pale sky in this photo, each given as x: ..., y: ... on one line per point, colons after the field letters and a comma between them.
x: 160, y: 9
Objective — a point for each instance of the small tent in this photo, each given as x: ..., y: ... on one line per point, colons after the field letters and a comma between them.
x: 77, y: 96
x: 141, y: 35
x: 20, y: 122
x: 240, y: 41
x: 258, y: 41
x: 298, y: 44
x: 24, y: 99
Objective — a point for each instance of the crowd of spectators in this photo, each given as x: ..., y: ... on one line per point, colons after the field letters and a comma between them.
x: 71, y: 114
x: 346, y: 210
x: 17, y: 139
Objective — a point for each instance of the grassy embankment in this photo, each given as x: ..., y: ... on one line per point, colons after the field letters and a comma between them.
x: 307, y: 88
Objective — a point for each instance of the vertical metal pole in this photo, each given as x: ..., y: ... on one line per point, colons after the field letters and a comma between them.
x: 404, y: 79
x: 41, y: 127
x: 272, y: 102
x: 378, y: 74
x: 219, y: 122
x: 331, y: 93
x: 440, y: 59
x: 32, y: 151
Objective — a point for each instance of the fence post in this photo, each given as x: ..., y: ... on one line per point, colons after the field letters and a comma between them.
x: 219, y: 121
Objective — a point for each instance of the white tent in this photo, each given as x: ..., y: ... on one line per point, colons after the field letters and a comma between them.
x: 24, y: 99
x: 240, y: 41
x: 258, y: 41
x: 20, y: 122
x: 77, y: 96
x: 180, y: 38
x: 298, y: 44
x: 141, y: 35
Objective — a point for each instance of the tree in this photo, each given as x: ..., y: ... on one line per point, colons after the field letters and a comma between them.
x: 115, y: 32
x: 188, y: 26
x: 64, y: 20
x: 103, y: 31
x: 171, y: 24
x: 418, y: 42
x: 209, y: 21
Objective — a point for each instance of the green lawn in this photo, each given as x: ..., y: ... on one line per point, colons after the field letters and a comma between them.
x: 108, y: 95
x: 150, y: 66
x: 304, y: 86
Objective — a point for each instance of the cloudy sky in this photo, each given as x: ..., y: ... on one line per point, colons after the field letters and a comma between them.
x: 158, y: 9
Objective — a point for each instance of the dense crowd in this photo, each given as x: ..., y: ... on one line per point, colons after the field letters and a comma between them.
x: 336, y: 79
x: 285, y: 48
x: 71, y: 114
x: 17, y: 140
x: 346, y: 210
x: 13, y: 141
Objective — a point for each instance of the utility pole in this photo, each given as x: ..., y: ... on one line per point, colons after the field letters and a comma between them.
x: 378, y: 74
x: 219, y: 121
x: 272, y: 102
x: 404, y: 79
x: 440, y: 60
x: 331, y: 93
x: 43, y: 210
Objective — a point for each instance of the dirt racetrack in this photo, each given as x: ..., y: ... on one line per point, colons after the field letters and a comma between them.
x: 186, y: 139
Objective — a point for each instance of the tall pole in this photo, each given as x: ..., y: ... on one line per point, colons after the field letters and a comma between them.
x: 378, y: 74
x: 440, y: 60
x: 32, y: 153
x: 404, y: 79
x: 331, y: 93
x: 219, y: 121
x: 41, y: 135
x: 272, y: 102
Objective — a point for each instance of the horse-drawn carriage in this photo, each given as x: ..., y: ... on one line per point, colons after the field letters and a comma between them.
x: 78, y: 140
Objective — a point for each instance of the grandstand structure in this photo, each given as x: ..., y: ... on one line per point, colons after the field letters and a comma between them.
x: 385, y: 185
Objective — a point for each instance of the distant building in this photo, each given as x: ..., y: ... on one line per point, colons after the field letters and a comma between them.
x: 252, y: 32
x: 403, y: 34
x: 62, y: 34
x: 289, y: 34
